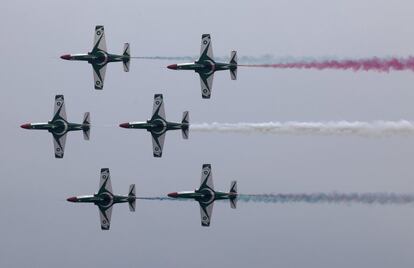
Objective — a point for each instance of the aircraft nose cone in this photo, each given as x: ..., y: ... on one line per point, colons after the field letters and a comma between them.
x: 173, y: 195
x: 26, y: 126
x: 66, y: 57
x: 124, y: 125
x: 72, y: 199
x: 172, y: 66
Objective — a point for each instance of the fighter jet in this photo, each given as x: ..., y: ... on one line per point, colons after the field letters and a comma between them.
x: 205, y: 66
x: 59, y: 126
x: 158, y: 125
x: 206, y: 195
x: 105, y: 199
x: 99, y: 57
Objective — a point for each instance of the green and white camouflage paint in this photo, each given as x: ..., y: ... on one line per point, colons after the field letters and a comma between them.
x: 158, y: 125
x: 206, y: 66
x: 99, y: 57
x: 59, y: 126
x: 206, y: 195
x: 105, y: 198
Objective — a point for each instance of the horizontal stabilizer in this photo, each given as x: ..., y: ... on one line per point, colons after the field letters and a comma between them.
x: 233, y: 65
x: 233, y: 203
x: 86, y: 126
x: 185, y: 125
x: 131, y: 196
x: 233, y: 190
x: 233, y: 187
x: 127, y: 57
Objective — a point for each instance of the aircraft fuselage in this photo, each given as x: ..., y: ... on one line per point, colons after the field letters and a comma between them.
x: 99, y: 58
x: 157, y: 126
x: 101, y: 199
x: 58, y: 126
x: 203, y: 195
x: 207, y: 66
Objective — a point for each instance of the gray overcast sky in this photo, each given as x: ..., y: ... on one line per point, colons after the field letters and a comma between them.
x: 40, y: 229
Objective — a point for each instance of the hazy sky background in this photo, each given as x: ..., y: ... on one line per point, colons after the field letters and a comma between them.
x: 40, y: 229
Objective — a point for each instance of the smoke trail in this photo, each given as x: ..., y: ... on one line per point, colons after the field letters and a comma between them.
x: 162, y: 198
x: 182, y: 58
x: 372, y: 64
x: 264, y: 59
x: 315, y: 198
x: 331, y: 198
x: 376, y: 128
x: 159, y: 198
x: 385, y: 64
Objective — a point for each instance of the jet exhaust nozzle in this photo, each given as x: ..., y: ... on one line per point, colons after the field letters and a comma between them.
x: 124, y: 125
x: 172, y: 67
x: 72, y: 199
x: 26, y: 126
x: 173, y: 195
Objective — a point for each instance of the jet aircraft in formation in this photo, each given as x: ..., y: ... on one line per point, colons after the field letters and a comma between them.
x: 105, y: 199
x: 99, y: 57
x: 205, y: 195
x: 205, y: 66
x: 158, y: 125
x: 59, y: 126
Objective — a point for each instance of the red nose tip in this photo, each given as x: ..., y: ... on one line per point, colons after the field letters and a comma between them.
x: 72, y: 199
x: 124, y: 125
x: 173, y: 195
x: 172, y: 66
x: 66, y: 57
x: 26, y: 126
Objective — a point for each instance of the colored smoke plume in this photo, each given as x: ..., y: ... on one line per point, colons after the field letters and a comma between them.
x: 371, y: 64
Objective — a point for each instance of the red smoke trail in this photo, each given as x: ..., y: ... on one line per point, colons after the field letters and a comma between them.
x: 373, y: 64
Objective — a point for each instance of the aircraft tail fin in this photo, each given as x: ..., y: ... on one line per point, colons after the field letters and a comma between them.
x: 233, y: 190
x: 233, y: 67
x: 127, y: 57
x: 185, y: 124
x: 86, y: 126
x: 131, y: 196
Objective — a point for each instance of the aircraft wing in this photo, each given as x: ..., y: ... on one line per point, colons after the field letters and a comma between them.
x: 105, y: 184
x: 158, y: 107
x: 206, y: 177
x: 206, y: 82
x: 105, y: 216
x: 59, y: 110
x: 99, y: 75
x: 157, y: 144
x: 99, y: 42
x: 206, y: 51
x: 59, y: 144
x: 206, y: 211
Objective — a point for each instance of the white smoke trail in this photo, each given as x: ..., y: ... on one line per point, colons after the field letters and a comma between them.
x: 315, y: 198
x: 375, y: 128
x: 334, y: 198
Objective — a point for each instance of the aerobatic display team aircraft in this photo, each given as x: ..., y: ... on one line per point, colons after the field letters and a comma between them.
x: 205, y: 195
x: 105, y: 199
x: 158, y: 125
x: 59, y: 126
x: 205, y: 66
x: 99, y: 57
